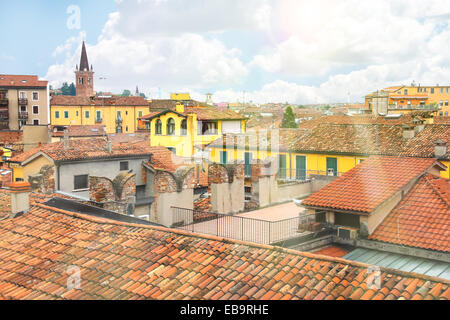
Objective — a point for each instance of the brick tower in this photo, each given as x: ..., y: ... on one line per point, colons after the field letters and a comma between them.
x: 84, y: 77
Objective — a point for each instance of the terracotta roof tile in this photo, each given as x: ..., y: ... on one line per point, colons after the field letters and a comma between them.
x: 369, y: 184
x: 137, y: 264
x: 422, y: 218
x: 9, y: 80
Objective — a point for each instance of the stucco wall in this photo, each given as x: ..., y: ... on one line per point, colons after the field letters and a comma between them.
x: 105, y: 168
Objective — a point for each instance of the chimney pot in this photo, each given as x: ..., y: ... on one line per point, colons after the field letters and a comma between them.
x: 440, y: 148
x: 20, y: 197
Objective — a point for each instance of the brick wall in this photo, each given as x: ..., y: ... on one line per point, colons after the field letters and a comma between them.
x: 44, y: 181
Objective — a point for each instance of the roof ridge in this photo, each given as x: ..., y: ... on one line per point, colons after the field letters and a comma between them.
x: 240, y: 242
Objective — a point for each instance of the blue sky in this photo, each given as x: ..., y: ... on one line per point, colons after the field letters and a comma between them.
x: 275, y: 50
x: 42, y: 26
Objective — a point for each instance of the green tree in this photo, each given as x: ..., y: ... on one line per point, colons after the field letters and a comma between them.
x: 126, y: 93
x: 65, y: 90
x: 72, y: 90
x: 288, y: 119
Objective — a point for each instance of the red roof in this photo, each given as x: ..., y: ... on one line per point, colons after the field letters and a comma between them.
x: 421, y: 219
x: 9, y: 80
x: 365, y: 187
x: 126, y: 261
x: 87, y: 101
x: 80, y: 131
x: 93, y: 148
x: 10, y: 137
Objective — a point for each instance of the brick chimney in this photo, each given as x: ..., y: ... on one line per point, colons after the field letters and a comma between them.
x: 440, y: 149
x: 20, y: 197
x: 408, y: 131
x: 66, y: 139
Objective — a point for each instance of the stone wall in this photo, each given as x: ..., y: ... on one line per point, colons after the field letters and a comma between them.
x: 172, y: 190
x: 44, y: 181
x: 227, y: 188
x: 117, y: 195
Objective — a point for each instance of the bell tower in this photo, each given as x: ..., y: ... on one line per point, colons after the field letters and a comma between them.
x: 84, y: 77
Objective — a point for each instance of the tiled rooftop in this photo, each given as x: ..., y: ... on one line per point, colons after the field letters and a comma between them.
x: 93, y: 148
x: 79, y: 131
x: 10, y: 137
x: 422, y: 145
x: 421, y: 219
x: 9, y: 80
x: 369, y: 184
x: 87, y: 101
x: 119, y: 260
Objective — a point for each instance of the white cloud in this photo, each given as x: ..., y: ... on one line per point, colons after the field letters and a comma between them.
x: 355, y: 46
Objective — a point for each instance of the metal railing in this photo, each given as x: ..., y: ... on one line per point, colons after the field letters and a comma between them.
x: 23, y: 115
x: 303, y: 174
x: 242, y: 228
x: 23, y: 101
x: 4, y: 115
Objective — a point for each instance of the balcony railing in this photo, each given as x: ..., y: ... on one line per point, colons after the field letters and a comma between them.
x: 4, y: 101
x: 23, y: 101
x: 98, y: 120
x: 244, y: 228
x: 4, y: 115
x: 23, y: 115
x: 143, y: 128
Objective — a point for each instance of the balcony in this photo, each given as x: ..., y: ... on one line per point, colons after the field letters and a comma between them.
x: 4, y: 115
x: 23, y: 115
x: 98, y: 120
x: 23, y: 101
x: 4, y: 101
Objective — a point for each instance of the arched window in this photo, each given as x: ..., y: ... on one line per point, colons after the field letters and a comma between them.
x: 158, y: 127
x: 184, y: 127
x: 170, y: 127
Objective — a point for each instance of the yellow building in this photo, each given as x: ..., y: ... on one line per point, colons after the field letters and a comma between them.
x: 330, y: 148
x: 118, y: 114
x: 401, y: 99
x: 187, y: 130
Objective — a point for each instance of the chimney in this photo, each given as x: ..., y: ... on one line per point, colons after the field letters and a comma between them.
x: 108, y: 146
x: 66, y: 139
x: 20, y: 197
x: 440, y: 149
x: 408, y: 131
x: 418, y: 124
x: 179, y: 108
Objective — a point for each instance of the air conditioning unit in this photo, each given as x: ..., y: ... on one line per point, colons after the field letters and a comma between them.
x: 347, y: 233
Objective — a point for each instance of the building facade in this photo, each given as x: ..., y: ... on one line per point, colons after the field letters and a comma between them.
x: 401, y: 99
x: 23, y: 100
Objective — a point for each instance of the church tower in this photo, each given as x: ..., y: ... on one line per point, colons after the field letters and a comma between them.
x: 84, y: 77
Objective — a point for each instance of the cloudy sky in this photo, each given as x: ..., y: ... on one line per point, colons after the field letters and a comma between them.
x: 261, y: 50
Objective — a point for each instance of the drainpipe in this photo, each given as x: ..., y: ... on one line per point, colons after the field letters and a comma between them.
x: 58, y: 175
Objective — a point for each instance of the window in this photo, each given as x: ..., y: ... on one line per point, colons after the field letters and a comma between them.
x: 23, y: 108
x: 207, y: 128
x: 22, y: 95
x: 80, y: 80
x: 184, y: 127
x: 56, y: 114
x: 86, y: 114
x: 80, y: 182
x: 446, y: 102
x: 123, y: 165
x: 139, y: 114
x: 441, y: 113
x: 170, y: 127
x: 346, y: 220
x: 432, y: 90
x: 66, y: 114
x: 76, y: 113
x: 119, y: 115
x: 98, y: 117
x: 223, y: 157
x: 441, y: 103
x: 446, y: 90
x: 321, y: 216
x: 446, y: 113
x: 126, y: 128
x: 36, y: 122
x: 158, y: 127
x: 442, y: 90
x: 89, y: 80
x: 35, y: 109
x: 406, y: 92
x: 126, y: 113
x: 35, y: 96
